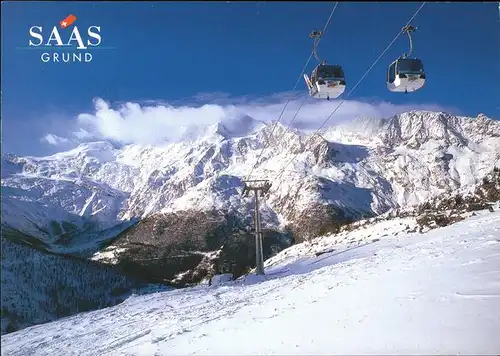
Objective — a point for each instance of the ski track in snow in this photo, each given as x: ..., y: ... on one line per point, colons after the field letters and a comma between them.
x: 432, y: 293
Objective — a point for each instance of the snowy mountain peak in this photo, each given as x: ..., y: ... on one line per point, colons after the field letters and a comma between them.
x: 93, y: 147
x: 482, y: 116
x: 416, y: 128
x: 102, y: 151
x: 240, y: 127
x: 227, y: 128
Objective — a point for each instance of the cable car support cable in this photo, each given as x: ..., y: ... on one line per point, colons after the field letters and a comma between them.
x: 294, y: 87
x: 351, y: 91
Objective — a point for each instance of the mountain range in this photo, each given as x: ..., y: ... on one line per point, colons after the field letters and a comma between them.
x: 174, y: 212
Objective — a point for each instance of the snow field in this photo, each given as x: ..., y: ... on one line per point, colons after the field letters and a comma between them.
x: 431, y: 293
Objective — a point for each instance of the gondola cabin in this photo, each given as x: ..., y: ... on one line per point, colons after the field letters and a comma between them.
x: 405, y: 75
x: 327, y: 81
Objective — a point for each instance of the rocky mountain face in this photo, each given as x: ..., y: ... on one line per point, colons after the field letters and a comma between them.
x: 174, y: 211
x: 445, y: 210
x: 192, y: 242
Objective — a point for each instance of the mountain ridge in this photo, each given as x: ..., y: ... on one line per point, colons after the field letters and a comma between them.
x: 379, y: 156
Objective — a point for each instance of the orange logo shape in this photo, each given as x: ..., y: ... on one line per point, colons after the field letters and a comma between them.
x: 68, y: 21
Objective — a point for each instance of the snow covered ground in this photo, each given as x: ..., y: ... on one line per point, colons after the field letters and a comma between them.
x: 405, y: 293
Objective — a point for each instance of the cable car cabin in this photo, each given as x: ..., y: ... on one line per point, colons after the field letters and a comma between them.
x: 327, y: 81
x: 405, y: 75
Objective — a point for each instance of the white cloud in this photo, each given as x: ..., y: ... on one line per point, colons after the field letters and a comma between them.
x: 54, y: 140
x: 154, y: 122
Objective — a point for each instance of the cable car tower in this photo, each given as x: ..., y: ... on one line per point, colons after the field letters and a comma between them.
x: 406, y: 74
x: 260, y: 187
x: 327, y: 81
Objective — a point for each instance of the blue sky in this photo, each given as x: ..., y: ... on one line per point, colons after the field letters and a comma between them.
x: 170, y: 52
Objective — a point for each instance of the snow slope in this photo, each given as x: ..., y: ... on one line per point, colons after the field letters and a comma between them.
x: 56, y: 200
x: 404, y: 293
